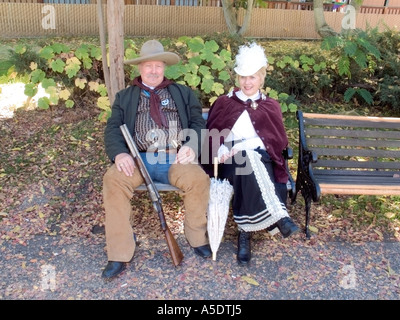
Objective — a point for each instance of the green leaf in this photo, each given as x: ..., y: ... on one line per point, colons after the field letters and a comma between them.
x: 46, y: 53
x: 192, y: 80
x: 57, y: 65
x: 207, y: 85
x: 196, y: 44
x: 369, y: 47
x: 204, y: 70
x: 102, y: 89
x: 60, y: 47
x: 360, y: 58
x: 195, y: 59
x: 207, y: 55
x: 82, y: 52
x: 95, y: 52
x: 366, y: 95
x: 103, y: 103
x: 173, y: 72
x: 225, y: 55
x: 217, y: 63
x: 69, y: 103
x: 344, y: 66
x: 87, y: 63
x: 349, y: 94
x: 37, y: 76
x: 330, y: 42
x: 48, y: 83
x: 292, y: 107
x: 72, y: 67
x: 130, y: 54
x: 211, y: 45
x: 20, y: 49
x: 224, y: 75
x: 273, y: 94
x: 30, y: 90
x: 350, y: 48
x: 218, y: 88
x: 44, y: 103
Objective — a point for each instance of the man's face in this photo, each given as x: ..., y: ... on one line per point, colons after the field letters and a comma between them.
x: 152, y: 72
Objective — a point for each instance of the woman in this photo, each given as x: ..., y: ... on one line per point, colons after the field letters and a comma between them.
x: 247, y: 134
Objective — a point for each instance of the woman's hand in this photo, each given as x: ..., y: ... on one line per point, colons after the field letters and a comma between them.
x: 228, y: 155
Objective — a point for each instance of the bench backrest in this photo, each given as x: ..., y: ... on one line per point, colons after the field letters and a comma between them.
x: 344, y: 142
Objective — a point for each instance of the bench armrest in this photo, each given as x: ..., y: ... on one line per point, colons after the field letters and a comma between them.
x: 305, y: 181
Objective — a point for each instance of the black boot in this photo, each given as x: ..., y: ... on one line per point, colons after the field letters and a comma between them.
x: 287, y: 227
x: 244, y: 248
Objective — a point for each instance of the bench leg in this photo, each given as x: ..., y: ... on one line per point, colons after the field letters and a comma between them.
x: 307, y: 200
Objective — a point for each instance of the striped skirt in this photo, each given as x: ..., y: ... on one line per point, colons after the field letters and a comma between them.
x: 258, y: 201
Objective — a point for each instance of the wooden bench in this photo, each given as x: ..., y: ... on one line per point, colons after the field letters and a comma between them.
x: 346, y: 155
x: 287, y: 154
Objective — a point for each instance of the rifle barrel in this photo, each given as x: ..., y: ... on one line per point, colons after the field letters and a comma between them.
x: 175, y: 251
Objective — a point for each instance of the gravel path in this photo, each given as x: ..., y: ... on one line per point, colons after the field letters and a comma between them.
x: 48, y: 268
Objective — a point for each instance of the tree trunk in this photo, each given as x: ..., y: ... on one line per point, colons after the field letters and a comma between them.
x: 115, y: 22
x: 230, y: 16
x: 247, y: 18
x: 103, y: 41
x: 323, y: 29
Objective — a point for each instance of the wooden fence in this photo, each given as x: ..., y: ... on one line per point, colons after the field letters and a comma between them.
x: 287, y: 5
x: 41, y: 20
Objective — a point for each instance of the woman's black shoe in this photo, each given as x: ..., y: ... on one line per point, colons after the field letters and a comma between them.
x: 287, y: 227
x: 244, y: 248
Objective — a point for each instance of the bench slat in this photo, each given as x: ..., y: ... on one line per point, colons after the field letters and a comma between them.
x: 352, y: 121
x: 378, y: 165
x: 333, y: 132
x: 358, y: 180
x: 307, y: 115
x: 370, y: 190
x: 383, y: 143
x: 373, y: 153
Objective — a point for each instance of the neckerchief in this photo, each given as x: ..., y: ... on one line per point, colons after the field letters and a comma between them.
x: 155, y: 104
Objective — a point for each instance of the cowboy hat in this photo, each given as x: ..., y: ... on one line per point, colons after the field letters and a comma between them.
x: 153, y: 50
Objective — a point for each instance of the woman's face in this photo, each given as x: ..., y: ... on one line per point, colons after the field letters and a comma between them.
x: 250, y: 84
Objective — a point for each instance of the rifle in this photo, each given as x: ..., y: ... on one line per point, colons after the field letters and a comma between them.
x: 173, y: 247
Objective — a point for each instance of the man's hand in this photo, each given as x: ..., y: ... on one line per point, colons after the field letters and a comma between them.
x: 125, y: 163
x: 185, y: 155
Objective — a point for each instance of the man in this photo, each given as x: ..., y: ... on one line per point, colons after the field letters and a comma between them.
x: 165, y: 120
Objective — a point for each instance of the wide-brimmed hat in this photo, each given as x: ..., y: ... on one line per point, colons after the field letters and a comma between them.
x: 250, y: 59
x: 153, y: 50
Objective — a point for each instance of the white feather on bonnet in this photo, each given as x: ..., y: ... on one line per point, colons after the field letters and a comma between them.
x: 250, y: 59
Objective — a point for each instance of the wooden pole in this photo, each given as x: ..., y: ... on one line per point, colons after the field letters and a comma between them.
x: 103, y: 41
x: 115, y: 22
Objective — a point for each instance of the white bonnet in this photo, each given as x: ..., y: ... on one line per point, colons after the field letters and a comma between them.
x: 250, y: 59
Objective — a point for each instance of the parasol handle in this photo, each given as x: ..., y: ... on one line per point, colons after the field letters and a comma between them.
x: 215, y: 167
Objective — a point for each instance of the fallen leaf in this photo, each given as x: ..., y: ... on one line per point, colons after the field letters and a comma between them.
x: 250, y: 280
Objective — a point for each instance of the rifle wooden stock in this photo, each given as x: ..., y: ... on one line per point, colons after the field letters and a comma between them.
x: 175, y: 251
